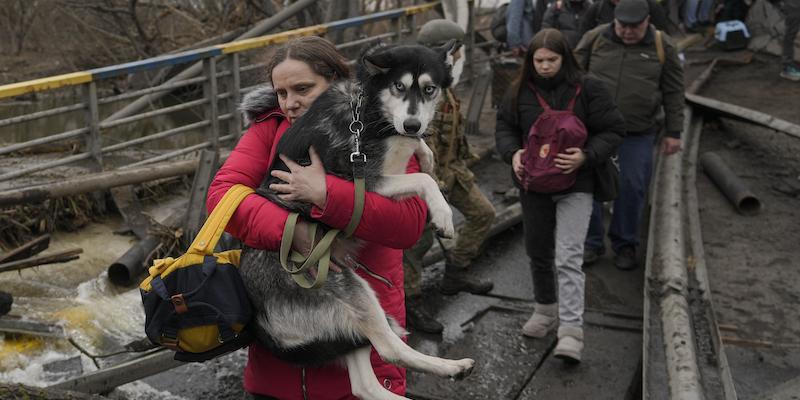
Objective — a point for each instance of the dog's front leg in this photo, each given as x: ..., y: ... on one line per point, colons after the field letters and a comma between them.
x: 425, y: 157
x: 422, y: 185
x: 363, y: 382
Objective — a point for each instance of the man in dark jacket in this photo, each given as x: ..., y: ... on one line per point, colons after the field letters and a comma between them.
x: 566, y: 16
x: 642, y: 69
x: 602, y: 12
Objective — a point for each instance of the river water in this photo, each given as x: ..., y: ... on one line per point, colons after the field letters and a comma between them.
x: 97, y: 315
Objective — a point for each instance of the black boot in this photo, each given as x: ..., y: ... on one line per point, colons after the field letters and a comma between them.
x: 457, y: 279
x: 419, y: 318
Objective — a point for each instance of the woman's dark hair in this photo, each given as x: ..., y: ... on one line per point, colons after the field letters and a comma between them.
x: 555, y: 41
x: 320, y: 54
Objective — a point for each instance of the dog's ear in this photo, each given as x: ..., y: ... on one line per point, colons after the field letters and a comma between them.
x: 371, y: 60
x: 373, y: 68
x: 448, y: 50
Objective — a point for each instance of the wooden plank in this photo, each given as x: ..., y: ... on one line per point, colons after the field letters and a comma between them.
x: 744, y: 114
x: 748, y: 343
x: 100, y: 181
x: 476, y: 102
x: 60, y: 257
x: 106, y: 379
x: 32, y: 326
x: 196, y: 213
x: 29, y: 249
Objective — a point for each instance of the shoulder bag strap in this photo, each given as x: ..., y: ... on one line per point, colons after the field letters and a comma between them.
x: 209, y: 234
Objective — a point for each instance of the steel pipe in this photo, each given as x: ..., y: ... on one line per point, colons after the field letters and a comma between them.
x: 131, y: 264
x: 734, y: 189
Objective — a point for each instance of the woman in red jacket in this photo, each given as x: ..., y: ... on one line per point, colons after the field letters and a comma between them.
x: 298, y: 71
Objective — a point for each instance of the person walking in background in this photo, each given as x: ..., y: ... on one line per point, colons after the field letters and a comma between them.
x: 642, y: 68
x: 696, y: 15
x: 523, y: 20
x: 791, y: 10
x: 566, y: 16
x: 555, y: 220
x: 602, y: 12
x: 297, y: 72
x: 451, y: 152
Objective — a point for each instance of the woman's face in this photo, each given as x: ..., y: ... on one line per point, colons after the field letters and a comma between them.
x: 546, y: 62
x: 297, y: 86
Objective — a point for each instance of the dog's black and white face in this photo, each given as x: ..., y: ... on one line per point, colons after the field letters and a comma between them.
x: 409, y: 81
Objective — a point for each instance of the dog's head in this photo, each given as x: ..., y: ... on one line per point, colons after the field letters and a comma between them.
x: 407, y: 82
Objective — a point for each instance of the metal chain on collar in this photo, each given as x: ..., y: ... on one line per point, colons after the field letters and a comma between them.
x: 356, y: 127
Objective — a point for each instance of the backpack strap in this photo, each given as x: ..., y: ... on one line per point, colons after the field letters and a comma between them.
x: 597, y: 41
x: 546, y: 106
x: 571, y: 105
x: 660, y: 48
x: 541, y: 100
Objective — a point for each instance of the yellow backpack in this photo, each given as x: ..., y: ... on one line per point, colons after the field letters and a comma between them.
x: 196, y: 304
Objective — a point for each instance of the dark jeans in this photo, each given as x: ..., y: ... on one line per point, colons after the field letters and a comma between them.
x: 787, y: 53
x: 538, y: 224
x: 636, y: 169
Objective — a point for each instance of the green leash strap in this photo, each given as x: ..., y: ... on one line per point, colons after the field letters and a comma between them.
x: 320, y: 254
x: 359, y: 168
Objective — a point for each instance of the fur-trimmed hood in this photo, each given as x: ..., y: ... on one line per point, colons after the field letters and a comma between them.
x: 258, y: 101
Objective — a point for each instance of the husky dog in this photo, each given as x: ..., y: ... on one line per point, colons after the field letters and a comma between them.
x: 401, y: 86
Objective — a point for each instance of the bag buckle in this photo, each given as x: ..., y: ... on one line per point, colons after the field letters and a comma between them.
x: 179, y: 303
x: 170, y: 343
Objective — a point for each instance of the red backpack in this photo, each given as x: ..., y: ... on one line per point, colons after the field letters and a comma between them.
x: 552, y: 133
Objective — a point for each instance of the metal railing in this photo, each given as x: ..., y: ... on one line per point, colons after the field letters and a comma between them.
x: 221, y: 87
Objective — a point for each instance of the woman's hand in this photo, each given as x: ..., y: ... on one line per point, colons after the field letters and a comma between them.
x: 302, y: 183
x: 517, y: 165
x: 570, y: 161
x: 301, y: 243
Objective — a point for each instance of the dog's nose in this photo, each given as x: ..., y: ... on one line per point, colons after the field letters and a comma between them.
x: 412, y: 125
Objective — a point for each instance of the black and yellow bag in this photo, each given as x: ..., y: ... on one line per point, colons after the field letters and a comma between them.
x: 196, y: 304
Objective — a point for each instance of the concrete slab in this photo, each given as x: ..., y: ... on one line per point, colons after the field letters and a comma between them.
x: 787, y: 391
x: 610, y: 363
x: 505, y: 360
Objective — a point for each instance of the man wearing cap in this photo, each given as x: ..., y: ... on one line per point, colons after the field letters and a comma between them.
x: 641, y: 67
x: 451, y: 152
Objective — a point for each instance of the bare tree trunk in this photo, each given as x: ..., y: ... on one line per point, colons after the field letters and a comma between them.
x: 18, y: 17
x: 343, y: 9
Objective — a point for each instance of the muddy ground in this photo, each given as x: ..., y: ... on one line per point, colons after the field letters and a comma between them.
x: 753, y: 260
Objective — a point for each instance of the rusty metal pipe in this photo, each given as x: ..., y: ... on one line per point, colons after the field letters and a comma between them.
x: 734, y: 189
x: 131, y: 264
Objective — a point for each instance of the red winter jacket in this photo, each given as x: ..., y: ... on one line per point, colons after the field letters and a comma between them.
x: 387, y: 225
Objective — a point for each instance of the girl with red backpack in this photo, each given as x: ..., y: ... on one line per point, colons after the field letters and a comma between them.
x: 558, y: 128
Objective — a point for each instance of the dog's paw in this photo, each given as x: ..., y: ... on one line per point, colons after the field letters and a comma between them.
x: 442, y: 221
x: 466, y: 365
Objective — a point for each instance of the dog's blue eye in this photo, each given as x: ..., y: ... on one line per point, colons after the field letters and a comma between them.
x: 399, y: 86
x: 430, y: 90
